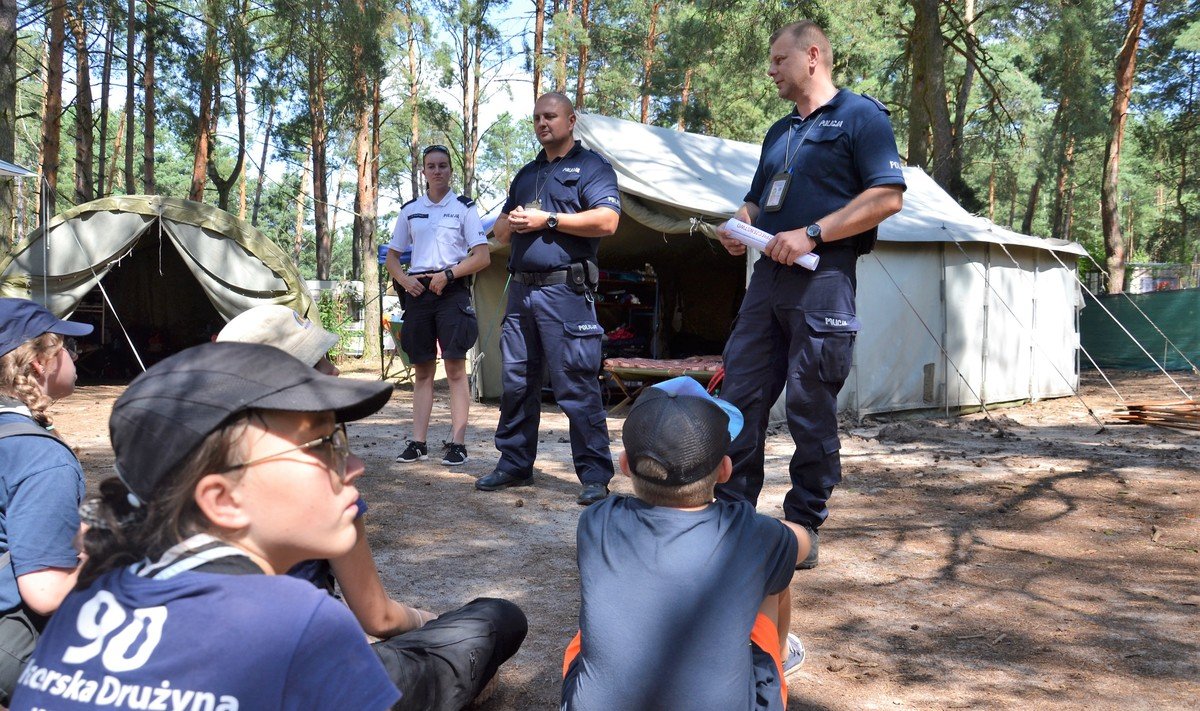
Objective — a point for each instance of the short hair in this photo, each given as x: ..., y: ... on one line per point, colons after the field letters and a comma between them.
x: 645, y: 473
x: 807, y: 33
x: 561, y: 99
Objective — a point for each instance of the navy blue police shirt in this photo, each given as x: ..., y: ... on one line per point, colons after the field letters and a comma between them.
x: 577, y: 182
x: 838, y: 151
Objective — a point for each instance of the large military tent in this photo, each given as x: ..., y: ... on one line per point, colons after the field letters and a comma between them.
x: 956, y: 311
x: 161, y: 272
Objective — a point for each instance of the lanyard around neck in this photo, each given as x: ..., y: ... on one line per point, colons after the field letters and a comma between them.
x: 788, y: 156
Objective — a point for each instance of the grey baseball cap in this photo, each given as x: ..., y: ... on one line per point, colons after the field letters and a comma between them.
x: 279, y: 326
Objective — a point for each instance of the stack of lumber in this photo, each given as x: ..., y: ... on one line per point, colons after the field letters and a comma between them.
x: 1181, y: 415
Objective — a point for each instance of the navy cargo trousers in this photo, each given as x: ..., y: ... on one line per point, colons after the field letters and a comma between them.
x: 555, y: 328
x: 795, y: 330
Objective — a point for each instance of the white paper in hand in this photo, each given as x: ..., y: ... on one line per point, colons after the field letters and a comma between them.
x: 753, y: 237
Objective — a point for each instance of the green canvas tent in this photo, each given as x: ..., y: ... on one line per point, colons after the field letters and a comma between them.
x: 167, y: 272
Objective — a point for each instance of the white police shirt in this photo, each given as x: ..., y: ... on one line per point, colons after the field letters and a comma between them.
x: 440, y: 233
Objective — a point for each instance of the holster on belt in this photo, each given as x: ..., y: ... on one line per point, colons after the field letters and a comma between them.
x: 583, y: 276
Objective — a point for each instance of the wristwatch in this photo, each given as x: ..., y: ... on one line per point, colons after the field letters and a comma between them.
x: 814, y: 233
x: 552, y: 220
x: 449, y: 276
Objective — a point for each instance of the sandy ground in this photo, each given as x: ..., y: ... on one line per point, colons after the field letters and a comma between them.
x: 1047, y: 564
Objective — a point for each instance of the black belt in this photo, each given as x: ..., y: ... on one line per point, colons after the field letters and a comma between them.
x: 558, y: 276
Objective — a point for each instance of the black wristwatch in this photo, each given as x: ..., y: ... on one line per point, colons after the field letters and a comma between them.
x: 449, y: 276
x: 814, y: 233
x: 552, y: 220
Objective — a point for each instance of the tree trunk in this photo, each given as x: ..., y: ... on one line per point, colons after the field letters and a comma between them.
x: 130, y: 83
x: 930, y: 110
x: 1031, y: 204
x: 225, y: 185
x: 684, y: 97
x: 584, y: 41
x: 262, y: 163
x: 149, y: 118
x: 52, y: 112
x: 465, y: 66
x: 319, y: 135
x: 365, y: 201
x: 648, y: 60
x: 469, y: 157
x: 1110, y: 211
x: 301, y: 208
x: 560, y: 72
x: 414, y: 104
x: 918, y: 111
x: 242, y: 193
x: 8, y: 114
x: 539, y: 39
x: 102, y: 187
x: 1062, y: 186
x: 118, y: 146
x: 84, y: 140
x: 206, y: 122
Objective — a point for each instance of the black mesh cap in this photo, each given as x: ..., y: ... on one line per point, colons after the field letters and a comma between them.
x: 166, y: 412
x: 682, y: 428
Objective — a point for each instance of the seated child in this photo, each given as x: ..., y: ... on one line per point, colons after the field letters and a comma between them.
x: 685, y: 600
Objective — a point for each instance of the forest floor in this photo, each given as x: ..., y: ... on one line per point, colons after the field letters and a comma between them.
x: 1047, y: 563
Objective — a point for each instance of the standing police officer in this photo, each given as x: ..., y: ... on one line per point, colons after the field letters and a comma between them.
x: 828, y: 175
x: 558, y: 207
x: 448, y: 246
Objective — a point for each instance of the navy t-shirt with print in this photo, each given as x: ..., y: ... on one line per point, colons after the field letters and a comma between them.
x: 668, y: 601
x: 203, y: 641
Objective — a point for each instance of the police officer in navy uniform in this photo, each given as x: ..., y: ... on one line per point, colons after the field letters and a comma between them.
x: 558, y: 208
x: 829, y: 173
x: 448, y: 246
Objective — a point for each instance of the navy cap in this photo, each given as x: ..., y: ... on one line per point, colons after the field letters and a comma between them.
x: 680, y: 426
x: 22, y: 320
x: 168, y: 411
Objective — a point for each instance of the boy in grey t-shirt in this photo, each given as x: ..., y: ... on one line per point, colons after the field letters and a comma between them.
x: 685, y: 600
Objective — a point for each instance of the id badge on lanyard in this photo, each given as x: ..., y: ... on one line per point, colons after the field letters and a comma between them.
x: 777, y: 191
x: 777, y: 188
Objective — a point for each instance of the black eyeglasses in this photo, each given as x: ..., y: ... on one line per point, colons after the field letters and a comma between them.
x: 339, y: 446
x: 435, y: 148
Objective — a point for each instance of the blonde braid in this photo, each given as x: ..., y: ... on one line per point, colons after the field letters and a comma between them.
x: 17, y: 378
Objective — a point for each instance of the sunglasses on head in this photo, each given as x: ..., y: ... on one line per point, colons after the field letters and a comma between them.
x: 436, y: 148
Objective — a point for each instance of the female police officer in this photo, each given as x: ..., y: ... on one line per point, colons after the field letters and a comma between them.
x: 448, y: 245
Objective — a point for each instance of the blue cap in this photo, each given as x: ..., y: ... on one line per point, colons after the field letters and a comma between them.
x: 684, y: 385
x: 22, y: 320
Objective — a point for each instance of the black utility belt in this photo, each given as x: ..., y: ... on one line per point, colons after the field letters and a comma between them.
x: 582, y: 277
x: 558, y: 276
